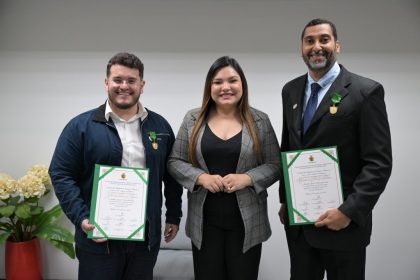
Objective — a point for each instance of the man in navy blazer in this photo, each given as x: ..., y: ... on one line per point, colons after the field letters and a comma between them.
x: 359, y: 127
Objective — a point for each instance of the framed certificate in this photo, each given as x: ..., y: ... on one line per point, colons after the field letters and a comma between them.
x: 313, y: 183
x: 118, y: 207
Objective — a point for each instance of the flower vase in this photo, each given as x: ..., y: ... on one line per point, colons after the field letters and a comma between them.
x: 23, y: 260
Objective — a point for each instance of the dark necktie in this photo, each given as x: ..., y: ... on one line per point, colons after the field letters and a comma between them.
x: 311, y: 106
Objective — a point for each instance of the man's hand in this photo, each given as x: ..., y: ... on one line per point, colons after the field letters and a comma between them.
x: 333, y: 219
x: 87, y: 227
x: 170, y: 232
x: 213, y: 183
x: 282, y: 213
x: 236, y: 182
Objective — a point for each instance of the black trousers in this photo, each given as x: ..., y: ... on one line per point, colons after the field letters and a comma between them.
x: 309, y: 263
x: 132, y: 261
x: 221, y: 256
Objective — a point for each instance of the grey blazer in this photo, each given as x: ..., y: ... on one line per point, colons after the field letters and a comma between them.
x: 252, y: 201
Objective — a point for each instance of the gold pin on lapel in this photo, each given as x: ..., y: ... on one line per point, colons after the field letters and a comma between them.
x: 333, y: 110
x: 335, y: 100
x: 152, y: 138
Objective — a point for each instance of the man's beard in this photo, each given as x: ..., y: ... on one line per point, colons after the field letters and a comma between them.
x: 325, y: 64
x: 123, y: 106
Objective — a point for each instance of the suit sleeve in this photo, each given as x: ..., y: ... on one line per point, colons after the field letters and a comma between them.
x: 375, y: 155
x: 284, y: 147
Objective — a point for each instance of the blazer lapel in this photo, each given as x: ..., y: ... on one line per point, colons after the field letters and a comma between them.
x: 246, y: 143
x: 199, y: 155
x: 339, y: 86
x: 297, y: 105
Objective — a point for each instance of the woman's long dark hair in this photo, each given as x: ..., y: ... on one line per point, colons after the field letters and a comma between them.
x: 208, y: 104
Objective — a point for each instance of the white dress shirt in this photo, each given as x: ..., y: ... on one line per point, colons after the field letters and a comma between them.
x: 129, y: 132
x: 325, y: 82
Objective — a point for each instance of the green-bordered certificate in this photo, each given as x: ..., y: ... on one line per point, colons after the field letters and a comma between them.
x: 118, y: 208
x: 313, y: 184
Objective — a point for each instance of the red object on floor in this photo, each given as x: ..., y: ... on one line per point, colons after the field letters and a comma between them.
x: 23, y: 260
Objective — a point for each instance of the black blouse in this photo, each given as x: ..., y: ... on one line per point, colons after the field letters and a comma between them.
x: 221, y: 157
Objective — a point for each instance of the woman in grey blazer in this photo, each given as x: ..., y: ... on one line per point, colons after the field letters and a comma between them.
x: 226, y: 154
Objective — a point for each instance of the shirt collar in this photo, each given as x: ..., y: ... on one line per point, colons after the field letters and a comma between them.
x: 141, y: 114
x: 328, y: 78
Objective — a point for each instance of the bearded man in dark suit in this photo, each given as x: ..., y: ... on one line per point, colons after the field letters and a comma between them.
x: 359, y: 127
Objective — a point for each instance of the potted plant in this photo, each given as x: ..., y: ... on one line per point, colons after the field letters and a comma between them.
x: 24, y: 220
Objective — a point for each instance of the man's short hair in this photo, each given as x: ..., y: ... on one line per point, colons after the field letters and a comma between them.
x: 319, y: 21
x: 125, y: 59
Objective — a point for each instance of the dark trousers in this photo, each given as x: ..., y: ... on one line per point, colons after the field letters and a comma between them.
x: 220, y: 256
x: 309, y: 263
x: 130, y: 260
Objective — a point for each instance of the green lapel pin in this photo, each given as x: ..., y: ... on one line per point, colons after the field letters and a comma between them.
x: 335, y: 100
x: 152, y: 138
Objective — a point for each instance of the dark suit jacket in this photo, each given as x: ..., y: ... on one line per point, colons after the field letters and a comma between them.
x: 360, y: 130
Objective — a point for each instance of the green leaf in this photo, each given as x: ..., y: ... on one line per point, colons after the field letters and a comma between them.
x: 58, y: 236
x: 67, y: 248
x: 23, y: 211
x: 7, y: 210
x: 48, y: 217
x: 4, y: 236
x: 36, y: 210
x: 54, y: 232
x: 33, y: 199
x: 14, y: 200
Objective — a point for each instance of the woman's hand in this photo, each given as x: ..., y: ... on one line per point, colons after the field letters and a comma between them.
x: 236, y: 182
x: 213, y: 183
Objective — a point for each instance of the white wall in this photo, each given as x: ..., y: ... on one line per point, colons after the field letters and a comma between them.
x: 52, y: 66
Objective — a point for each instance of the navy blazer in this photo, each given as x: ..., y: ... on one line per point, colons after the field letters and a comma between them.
x: 360, y: 130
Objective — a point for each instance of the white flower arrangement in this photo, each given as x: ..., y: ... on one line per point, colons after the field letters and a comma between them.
x: 21, y: 216
x: 7, y: 186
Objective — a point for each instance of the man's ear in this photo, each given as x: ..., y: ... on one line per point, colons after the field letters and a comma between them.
x: 337, y: 46
x: 106, y: 83
x: 142, y: 83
